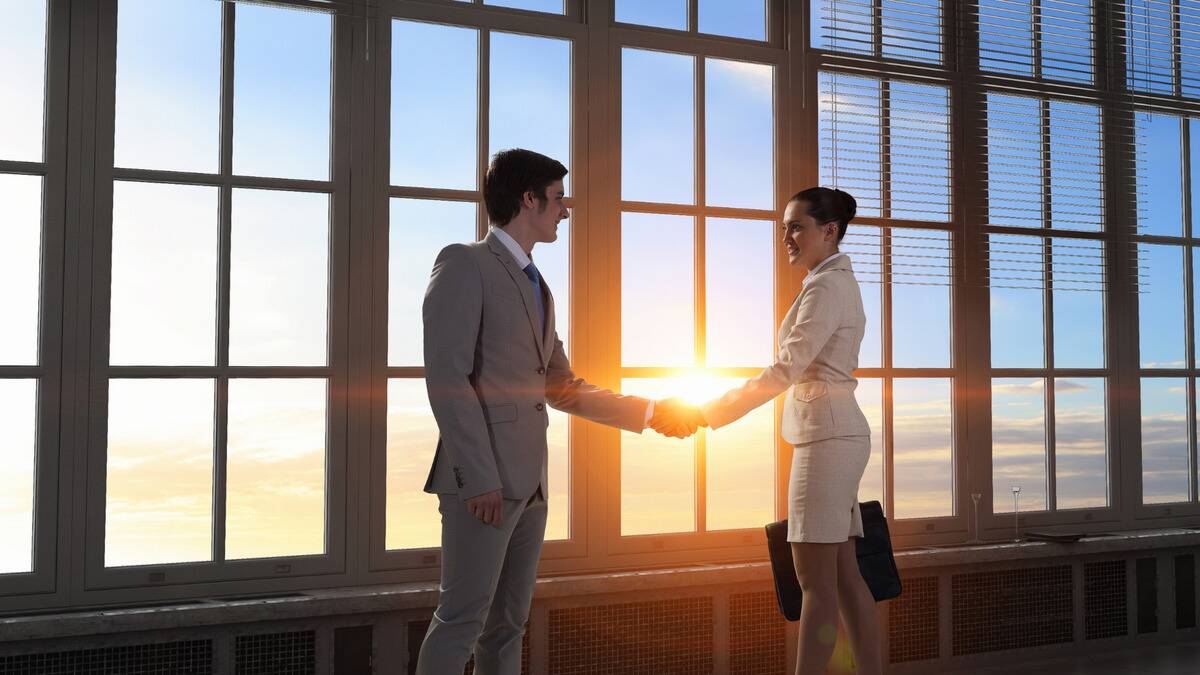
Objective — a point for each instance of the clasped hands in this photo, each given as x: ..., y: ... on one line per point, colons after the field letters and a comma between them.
x: 675, y: 418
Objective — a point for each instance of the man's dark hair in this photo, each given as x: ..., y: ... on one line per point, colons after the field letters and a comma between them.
x: 829, y: 204
x: 511, y: 174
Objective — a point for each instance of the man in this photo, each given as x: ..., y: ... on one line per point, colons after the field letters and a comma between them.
x: 493, y: 361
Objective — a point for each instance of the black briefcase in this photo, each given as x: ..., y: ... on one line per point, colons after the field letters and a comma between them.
x: 875, y: 561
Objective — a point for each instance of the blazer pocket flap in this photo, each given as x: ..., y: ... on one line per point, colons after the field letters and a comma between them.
x: 810, y: 391
x: 496, y: 414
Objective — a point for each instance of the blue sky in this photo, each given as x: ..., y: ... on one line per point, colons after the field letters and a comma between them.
x: 165, y: 256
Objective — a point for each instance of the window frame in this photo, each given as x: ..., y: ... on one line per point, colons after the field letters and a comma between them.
x: 147, y: 581
x: 49, y: 529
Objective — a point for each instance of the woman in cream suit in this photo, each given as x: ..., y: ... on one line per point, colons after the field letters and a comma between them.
x: 818, y: 352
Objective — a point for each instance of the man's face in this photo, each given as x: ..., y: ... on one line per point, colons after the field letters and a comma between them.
x: 548, y: 212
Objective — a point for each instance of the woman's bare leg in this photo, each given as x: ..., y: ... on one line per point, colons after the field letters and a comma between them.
x: 817, y: 570
x: 858, y: 612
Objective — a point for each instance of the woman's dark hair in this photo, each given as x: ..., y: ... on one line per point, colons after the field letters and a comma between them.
x: 829, y: 204
x: 511, y: 174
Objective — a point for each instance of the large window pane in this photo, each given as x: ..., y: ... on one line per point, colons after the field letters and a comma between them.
x: 419, y: 230
x: 739, y: 134
x: 745, y: 19
x: 164, y: 274
x: 412, y: 519
x: 1017, y: 311
x: 1076, y: 167
x: 911, y: 29
x: 1014, y: 161
x: 1019, y: 444
x: 841, y: 26
x: 1161, y: 306
x: 920, y: 301
x: 919, y: 151
x: 279, y: 278
x: 435, y: 105
x: 1080, y: 443
x: 1159, y: 175
x: 851, y: 138
x: 1078, y: 267
x: 168, y: 97
x: 870, y: 400
x: 23, y: 78
x: 281, y: 102
x: 657, y: 290
x: 657, y: 13
x: 275, y: 495
x: 1006, y: 35
x: 862, y: 245
x: 1065, y: 31
x: 658, y: 473
x: 160, y: 465
x: 18, y: 418
x: 1164, y: 440
x: 554, y: 6
x: 558, y: 473
x: 530, y: 105
x: 657, y: 127
x: 20, y: 268
x: 740, y: 286
x: 922, y: 455
x: 1149, y: 64
x: 740, y: 469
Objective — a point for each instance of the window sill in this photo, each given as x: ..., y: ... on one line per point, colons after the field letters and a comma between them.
x: 423, y: 595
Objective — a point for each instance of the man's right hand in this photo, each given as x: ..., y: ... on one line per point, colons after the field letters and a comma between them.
x: 488, y: 507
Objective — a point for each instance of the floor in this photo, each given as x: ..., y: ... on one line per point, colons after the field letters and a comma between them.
x: 1172, y: 659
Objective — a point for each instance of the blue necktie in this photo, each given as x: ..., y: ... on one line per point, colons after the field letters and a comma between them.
x: 536, y: 280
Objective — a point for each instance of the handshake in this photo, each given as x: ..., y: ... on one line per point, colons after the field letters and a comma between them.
x: 676, y: 418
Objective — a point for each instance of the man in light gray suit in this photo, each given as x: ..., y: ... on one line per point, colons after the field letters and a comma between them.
x: 493, y: 361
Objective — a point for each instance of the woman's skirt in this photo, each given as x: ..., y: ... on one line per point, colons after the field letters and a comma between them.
x: 823, y: 490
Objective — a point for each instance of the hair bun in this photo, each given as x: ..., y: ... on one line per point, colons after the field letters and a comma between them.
x: 849, y: 205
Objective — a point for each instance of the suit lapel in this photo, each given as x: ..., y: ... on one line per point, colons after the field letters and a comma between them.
x: 548, y: 336
x: 524, y: 287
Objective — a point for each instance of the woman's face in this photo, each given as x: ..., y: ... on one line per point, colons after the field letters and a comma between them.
x: 807, y: 241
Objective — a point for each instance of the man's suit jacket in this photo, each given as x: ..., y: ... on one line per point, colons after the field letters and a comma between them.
x: 491, y: 370
x: 818, y: 353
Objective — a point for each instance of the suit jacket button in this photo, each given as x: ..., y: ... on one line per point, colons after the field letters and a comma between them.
x: 541, y: 371
x: 540, y: 406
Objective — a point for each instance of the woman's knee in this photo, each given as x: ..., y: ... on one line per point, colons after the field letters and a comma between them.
x: 816, y: 568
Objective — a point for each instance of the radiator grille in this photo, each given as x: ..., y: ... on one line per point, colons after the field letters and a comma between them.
x: 757, y: 635
x: 193, y: 657
x: 668, y: 637
x: 913, y: 622
x: 292, y: 653
x: 1011, y: 609
x: 1105, y: 605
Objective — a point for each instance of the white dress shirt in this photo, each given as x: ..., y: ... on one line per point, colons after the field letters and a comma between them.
x: 524, y: 261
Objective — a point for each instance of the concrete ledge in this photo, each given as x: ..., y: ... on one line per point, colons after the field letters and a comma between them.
x: 423, y: 595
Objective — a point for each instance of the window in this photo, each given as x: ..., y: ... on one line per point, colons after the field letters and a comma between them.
x: 1047, y: 305
x: 745, y: 19
x: 1167, y: 277
x: 1051, y: 39
x: 887, y: 143
x: 697, y: 284
x: 909, y: 30
x: 440, y: 145
x: 221, y: 363
x: 28, y: 358
x: 1162, y: 56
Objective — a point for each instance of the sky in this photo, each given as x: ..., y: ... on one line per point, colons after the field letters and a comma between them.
x: 166, y: 256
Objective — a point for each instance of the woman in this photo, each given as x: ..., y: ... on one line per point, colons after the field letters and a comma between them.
x: 818, y: 352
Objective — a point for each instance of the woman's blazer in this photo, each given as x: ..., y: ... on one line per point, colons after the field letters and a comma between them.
x: 818, y: 353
